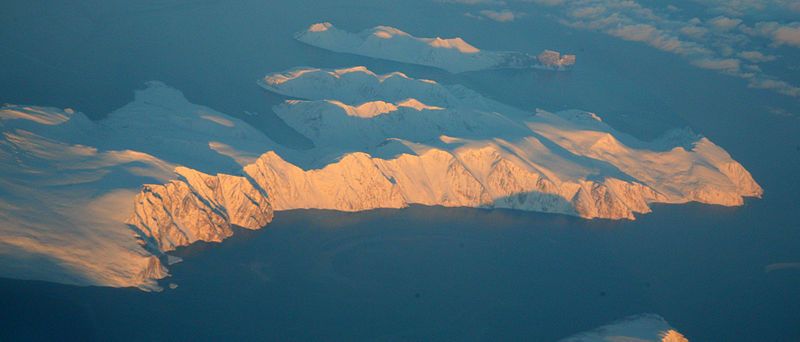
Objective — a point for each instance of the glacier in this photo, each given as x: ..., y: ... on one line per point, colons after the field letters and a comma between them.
x: 451, y: 54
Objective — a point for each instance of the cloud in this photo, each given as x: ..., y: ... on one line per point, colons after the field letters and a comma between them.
x: 728, y: 65
x: 694, y: 32
x: 547, y: 2
x: 591, y: 11
x: 731, y: 40
x: 756, y: 56
x: 780, y: 34
x: 744, y: 7
x: 635, y: 32
x: 725, y: 42
x: 789, y: 35
x: 499, y: 16
x: 723, y: 23
x: 779, y: 86
x: 473, y: 2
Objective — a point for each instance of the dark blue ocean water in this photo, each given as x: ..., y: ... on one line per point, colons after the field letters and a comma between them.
x: 419, y: 273
x: 445, y: 274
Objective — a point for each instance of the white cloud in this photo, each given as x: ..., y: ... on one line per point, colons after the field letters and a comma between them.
x: 500, y: 16
x: 635, y: 32
x: 723, y: 23
x: 729, y: 65
x: 788, y: 35
x: 547, y: 2
x: 743, y: 7
x: 473, y: 2
x: 779, y: 34
x: 585, y: 12
x: 724, y: 43
x: 782, y: 87
x: 729, y: 41
x: 756, y: 56
x: 694, y: 32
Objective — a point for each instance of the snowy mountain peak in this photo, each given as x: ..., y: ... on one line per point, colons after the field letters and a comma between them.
x: 198, y: 207
x: 453, y: 43
x: 416, y: 104
x: 365, y: 110
x: 387, y: 32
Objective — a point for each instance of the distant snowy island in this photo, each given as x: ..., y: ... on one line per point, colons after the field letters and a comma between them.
x: 638, y: 328
x: 102, y: 202
x: 451, y: 54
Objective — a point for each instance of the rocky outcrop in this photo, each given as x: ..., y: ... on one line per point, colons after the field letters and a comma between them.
x: 198, y: 207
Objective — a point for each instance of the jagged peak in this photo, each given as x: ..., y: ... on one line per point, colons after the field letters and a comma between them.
x: 299, y: 72
x: 190, y: 173
x: 355, y: 157
x: 270, y: 157
x: 453, y: 43
x: 435, y: 153
x: 369, y: 109
x: 456, y: 43
x: 277, y: 78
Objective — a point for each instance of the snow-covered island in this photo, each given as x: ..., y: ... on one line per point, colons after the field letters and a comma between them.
x: 452, y: 54
x: 640, y: 328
